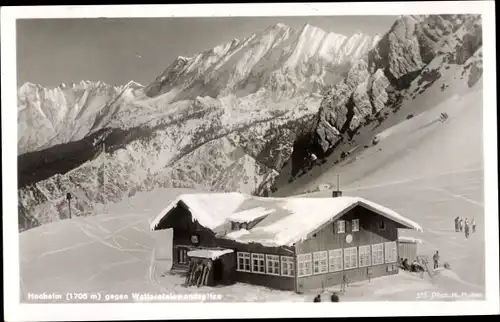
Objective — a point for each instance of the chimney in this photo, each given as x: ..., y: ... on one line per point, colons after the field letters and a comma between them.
x: 337, y: 193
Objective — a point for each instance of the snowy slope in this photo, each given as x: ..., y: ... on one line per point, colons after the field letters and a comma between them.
x: 426, y: 170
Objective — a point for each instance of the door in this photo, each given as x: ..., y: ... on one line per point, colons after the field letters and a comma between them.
x: 217, y: 270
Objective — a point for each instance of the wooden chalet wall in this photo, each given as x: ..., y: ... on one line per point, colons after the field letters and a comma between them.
x: 273, y: 281
x: 328, y: 239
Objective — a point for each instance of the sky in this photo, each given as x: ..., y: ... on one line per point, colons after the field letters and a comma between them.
x: 53, y: 51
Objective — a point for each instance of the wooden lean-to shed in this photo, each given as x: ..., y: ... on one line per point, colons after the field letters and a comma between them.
x: 210, y: 264
x: 408, y: 247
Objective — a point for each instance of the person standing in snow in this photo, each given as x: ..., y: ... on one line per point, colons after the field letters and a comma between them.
x: 435, y: 258
x: 466, y: 228
x: 461, y: 225
x: 456, y: 223
x: 473, y: 225
x: 317, y: 298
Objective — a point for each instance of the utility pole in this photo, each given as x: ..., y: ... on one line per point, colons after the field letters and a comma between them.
x: 104, y: 174
x: 68, y: 197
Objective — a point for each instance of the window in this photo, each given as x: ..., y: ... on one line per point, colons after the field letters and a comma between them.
x: 320, y: 262
x: 355, y: 225
x: 335, y: 260
x: 350, y: 258
x: 364, y: 256
x: 377, y: 254
x: 340, y: 227
x: 381, y: 225
x: 287, y: 268
x: 243, y: 262
x: 391, y: 252
x: 244, y: 225
x: 258, y: 264
x: 182, y: 257
x: 304, y: 264
x: 273, y: 264
x: 235, y: 226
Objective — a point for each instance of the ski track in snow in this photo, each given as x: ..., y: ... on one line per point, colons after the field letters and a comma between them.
x: 412, y: 179
x: 480, y: 204
x: 109, y: 266
x: 94, y: 239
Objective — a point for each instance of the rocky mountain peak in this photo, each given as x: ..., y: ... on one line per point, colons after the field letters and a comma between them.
x: 398, y: 58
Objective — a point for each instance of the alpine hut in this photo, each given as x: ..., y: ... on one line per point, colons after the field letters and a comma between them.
x: 283, y: 243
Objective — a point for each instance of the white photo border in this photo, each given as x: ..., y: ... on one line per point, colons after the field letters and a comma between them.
x: 66, y: 312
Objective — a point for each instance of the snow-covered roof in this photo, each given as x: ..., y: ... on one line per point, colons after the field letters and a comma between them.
x: 209, y: 253
x: 210, y: 210
x: 250, y: 214
x: 288, y: 221
x: 406, y: 239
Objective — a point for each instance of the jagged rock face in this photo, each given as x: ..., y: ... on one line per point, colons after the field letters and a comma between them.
x: 399, y: 58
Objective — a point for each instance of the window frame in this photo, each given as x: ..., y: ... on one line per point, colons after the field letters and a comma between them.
x: 243, y: 256
x: 331, y: 256
x: 337, y: 230
x: 381, y: 225
x: 367, y: 251
x: 352, y: 225
x: 258, y: 257
x: 324, y: 257
x: 304, y: 259
x: 287, y: 261
x: 351, y: 249
x: 274, y: 259
x: 376, y: 251
x: 393, y: 252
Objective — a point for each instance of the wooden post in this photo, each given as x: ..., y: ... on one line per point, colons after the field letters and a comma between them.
x: 104, y: 174
x: 68, y: 197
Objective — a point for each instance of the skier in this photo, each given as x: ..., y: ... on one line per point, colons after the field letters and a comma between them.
x: 466, y: 228
x: 473, y: 225
x: 345, y: 282
x: 456, y: 223
x: 461, y: 225
x: 435, y: 258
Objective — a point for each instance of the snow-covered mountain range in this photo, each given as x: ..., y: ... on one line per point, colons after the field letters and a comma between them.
x: 47, y: 117
x: 226, y: 119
